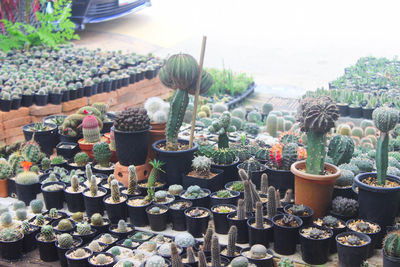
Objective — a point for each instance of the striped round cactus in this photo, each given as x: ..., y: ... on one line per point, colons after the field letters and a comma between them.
x: 391, y: 244
x: 182, y: 70
x: 65, y: 241
x: 385, y: 118
x: 83, y: 228
x: 90, y: 129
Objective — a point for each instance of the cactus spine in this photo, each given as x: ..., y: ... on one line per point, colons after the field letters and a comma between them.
x: 115, y: 194
x: 259, y: 216
x: 207, y: 239
x: 191, y: 258
x: 88, y: 172
x: 175, y: 258
x: 232, y: 237
x: 289, y: 155
x: 272, y: 125
x: 93, y: 186
x: 247, y: 196
x: 391, y: 244
x: 215, y: 252
x: 271, y: 205
x: 264, y: 183
x: 241, y: 212
x: 132, y: 180
x: 75, y: 183
x: 202, y: 259
x: 341, y: 149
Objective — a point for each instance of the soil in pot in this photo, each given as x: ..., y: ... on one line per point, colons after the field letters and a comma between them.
x: 104, y: 259
x: 198, y: 196
x: 53, y: 195
x: 213, y: 182
x: 122, y: 229
x: 177, y: 214
x: 47, y: 248
x: 369, y: 228
x: 337, y: 226
x: 197, y: 220
x: 74, y: 198
x: 259, y: 256
x: 116, y: 210
x: 352, y: 248
x: 220, y: 213
x: 29, y: 241
x: 304, y: 212
x: 259, y: 235
x: 230, y: 170
x: 78, y: 257
x: 158, y: 217
x: 315, y: 244
x: 286, y: 233
x: 12, y: 250
x: 94, y: 204
x: 77, y: 241
x: 137, y: 210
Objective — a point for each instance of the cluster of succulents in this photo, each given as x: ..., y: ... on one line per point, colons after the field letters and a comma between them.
x: 131, y: 120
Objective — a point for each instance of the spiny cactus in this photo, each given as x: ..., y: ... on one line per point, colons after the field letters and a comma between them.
x: 346, y: 178
x: 264, y: 183
x: 18, y: 205
x: 259, y: 215
x: 232, y: 237
x: 6, y: 219
x: 207, y: 239
x: 215, y: 252
x: 25, y: 227
x: 191, y: 257
x: 254, y: 196
x: 88, y: 172
x: 223, y: 157
x: 81, y: 159
x: 391, y: 244
x: 64, y: 225
x: 65, y: 241
x: 101, y: 259
x: 175, y: 258
x: 21, y: 214
x: 156, y: 164
x: 272, y: 125
x: 93, y: 186
x: 278, y: 199
x: 79, y: 253
x: 289, y: 155
x: 202, y: 166
x: 77, y: 216
x: 341, y: 149
x: 75, y: 183
x: 90, y: 129
x: 115, y: 194
x: 5, y: 169
x: 10, y: 234
x: 27, y: 178
x: 247, y: 197
x: 122, y: 226
x: 53, y: 213
x: 39, y: 220
x: 97, y: 219
x: 46, y: 163
x: 344, y: 206
x: 102, y: 154
x: 220, y: 127
x: 202, y: 259
x: 271, y: 204
x: 47, y: 233
x: 132, y: 180
x: 31, y: 151
x: 241, y: 211
x: 83, y: 228
x: 110, y: 178
x: 131, y: 120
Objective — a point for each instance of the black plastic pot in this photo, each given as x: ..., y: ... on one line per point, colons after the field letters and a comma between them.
x: 114, y: 85
x: 315, y: 251
x: 139, y: 76
x: 389, y: 261
x: 197, y: 226
x: 376, y: 238
x: 87, y: 91
x: 125, y: 81
x: 158, y: 222
x: 230, y: 171
x: 214, y: 184
x: 106, y: 171
x: 73, y: 94
x: 101, y: 229
x: 221, y: 223
x: 26, y: 193
x: 55, y: 98
x: 47, y: 250
x: 61, y: 251
x: 176, y: 162
x: 118, y: 211
x: 78, y: 262
x: 132, y: 146
x: 5, y: 105
x: 80, y: 92
x: 137, y: 214
x: 177, y: 216
x: 104, y: 265
x: 335, y: 231
x: 27, y: 100
x: 53, y: 199
x: 69, y: 139
x: 255, y: 175
x: 120, y: 235
x: 377, y: 204
x: 94, y: 89
x: 261, y: 236
x: 367, y: 113
x: 55, y: 223
x: 66, y: 95
x: 74, y: 201
x: 94, y: 204
x: 29, y: 241
x: 343, y: 110
x: 285, y: 238
x: 267, y: 262
x: 15, y: 103
x: 346, y: 192
x: 11, y: 188
x: 355, y: 112
x: 241, y: 225
x: 344, y: 218
x: 67, y: 149
x: 229, y: 200
x: 11, y: 250
x: 100, y: 88
x: 107, y: 126
x: 351, y: 256
x: 41, y: 100
x: 47, y: 140
x: 143, y: 189
x: 307, y: 220
x: 199, y: 202
x: 107, y: 86
x: 280, y: 179
x: 86, y: 238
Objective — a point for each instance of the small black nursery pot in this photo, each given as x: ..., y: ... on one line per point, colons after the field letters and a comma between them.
x: 74, y: 200
x: 93, y: 263
x: 26, y: 193
x: 74, y: 260
x: 220, y: 213
x: 158, y: 217
x: 286, y: 229
x: 116, y: 211
x: 53, y: 194
x: 267, y: 261
x: 47, y: 249
x: 315, y: 244
x: 61, y: 251
x: 198, y: 202
x: 197, y: 220
x: 230, y: 171
x: 137, y: 210
x: 373, y: 230
x: 12, y: 250
x: 337, y: 227
x: 113, y: 229
x: 352, y: 255
x: 177, y: 214
x: 101, y: 229
x: 241, y: 225
x: 94, y: 204
x: 305, y: 213
x: 216, y: 199
x: 261, y: 236
x: 29, y: 241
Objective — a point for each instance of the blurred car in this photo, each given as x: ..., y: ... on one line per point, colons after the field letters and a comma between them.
x: 94, y: 11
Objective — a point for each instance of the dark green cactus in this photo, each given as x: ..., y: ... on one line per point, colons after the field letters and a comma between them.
x: 340, y: 149
x: 220, y: 127
x: 223, y: 157
x: 263, y: 154
x: 102, y: 154
x: 346, y: 178
x: 391, y: 244
x: 289, y: 155
x: 31, y: 151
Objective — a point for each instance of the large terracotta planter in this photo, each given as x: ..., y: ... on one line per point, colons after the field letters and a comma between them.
x: 3, y: 188
x: 156, y: 133
x: 314, y: 191
x: 121, y: 172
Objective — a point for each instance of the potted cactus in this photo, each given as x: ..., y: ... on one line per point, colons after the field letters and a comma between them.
x: 115, y: 204
x: 177, y: 214
x: 254, y: 170
x: 352, y: 248
x: 73, y: 195
x: 226, y: 160
x: 93, y: 198
x: 26, y: 183
x: 11, y: 243
x: 122, y: 229
x: 84, y: 231
x: 158, y: 217
x: 224, y: 197
x: 41, y: 97
x: 286, y: 229
x: 46, y: 244
x: 77, y: 257
x: 63, y: 244
x: 373, y: 230
x: 5, y: 173
x: 29, y: 231
x: 197, y: 195
x: 379, y: 193
x: 91, y: 134
x: 131, y: 134
x: 102, y: 156
x: 99, y: 223
x: 239, y: 219
x: 203, y: 176
x: 315, y: 243
x: 344, y: 208
x: 259, y: 255
x: 53, y: 194
x: 180, y: 73
x: 45, y: 134
x: 103, y: 259
x: 5, y: 101
x: 260, y: 228
x: 316, y: 117
x: 300, y: 210
x: 391, y: 251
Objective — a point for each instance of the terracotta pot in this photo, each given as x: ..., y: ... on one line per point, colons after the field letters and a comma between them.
x: 314, y: 191
x: 157, y: 132
x: 121, y: 172
x: 87, y: 148
x: 3, y: 188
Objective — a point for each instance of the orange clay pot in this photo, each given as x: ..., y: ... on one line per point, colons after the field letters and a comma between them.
x: 156, y: 133
x: 3, y: 188
x: 314, y: 191
x: 88, y: 148
x: 122, y: 175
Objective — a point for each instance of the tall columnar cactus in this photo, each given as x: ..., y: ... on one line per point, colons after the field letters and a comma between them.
x: 340, y: 149
x: 272, y: 125
x: 207, y: 239
x: 241, y: 210
x: 180, y: 72
x: 215, y: 252
x: 220, y: 127
x: 385, y: 119
x: 90, y: 129
x: 88, y: 172
x: 289, y: 155
x: 132, y: 180
x: 202, y: 259
x: 93, y: 186
x: 191, y: 257
x: 316, y: 117
x: 253, y: 192
x: 75, y: 183
x: 102, y: 154
x: 232, y: 237
x: 271, y: 204
x: 391, y: 244
x: 176, y: 260
x: 264, y: 183
x: 259, y: 215
x: 47, y: 233
x: 247, y: 196
x: 153, y: 176
x: 115, y: 194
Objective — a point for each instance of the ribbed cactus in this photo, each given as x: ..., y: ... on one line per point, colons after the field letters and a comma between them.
x: 207, y: 239
x: 25, y: 227
x: 102, y: 107
x: 31, y: 151
x: 272, y: 125
x: 202, y: 259
x: 97, y: 219
x: 115, y: 194
x: 232, y: 237
x: 88, y: 172
x: 262, y: 154
x: 247, y: 197
x: 241, y: 210
x: 39, y: 220
x: 75, y: 183
x: 65, y: 241
x: 341, y: 149
x: 81, y: 159
x: 278, y: 199
x: 289, y: 155
x: 259, y: 215
x: 264, y: 183
x: 215, y: 252
x: 110, y: 178
x: 271, y: 204
x: 176, y: 260
x: 47, y: 233
x: 53, y: 213
x: 83, y: 228
x: 64, y: 224
x: 27, y: 178
x: 202, y: 166
x: 5, y: 169
x: 132, y: 180
x: 385, y: 119
x: 46, y: 163
x: 316, y: 117
x: 90, y: 129
x: 357, y: 131
x: 254, y: 195
x: 93, y: 186
x: 102, y: 154
x: 122, y: 226
x: 391, y: 244
x: 223, y: 157
x: 15, y: 160
x: 220, y: 127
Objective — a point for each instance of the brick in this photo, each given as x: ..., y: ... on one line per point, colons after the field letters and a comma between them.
x: 12, y: 114
x: 13, y: 132
x: 49, y: 109
x: 109, y: 98
x: 1, y: 116
x: 17, y: 122
x: 124, y: 90
x: 74, y: 104
x: 14, y: 139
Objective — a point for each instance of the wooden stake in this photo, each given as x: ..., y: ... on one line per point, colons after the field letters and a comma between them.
x: 196, y: 97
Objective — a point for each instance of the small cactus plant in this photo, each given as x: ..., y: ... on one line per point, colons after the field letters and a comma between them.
x: 65, y: 241
x: 391, y: 244
x: 201, y: 165
x: 81, y: 159
x: 115, y: 194
x: 220, y: 127
x: 102, y: 154
x: 47, y: 233
x: 83, y: 228
x: 97, y: 219
x: 232, y: 237
x: 132, y: 182
x: 90, y: 129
